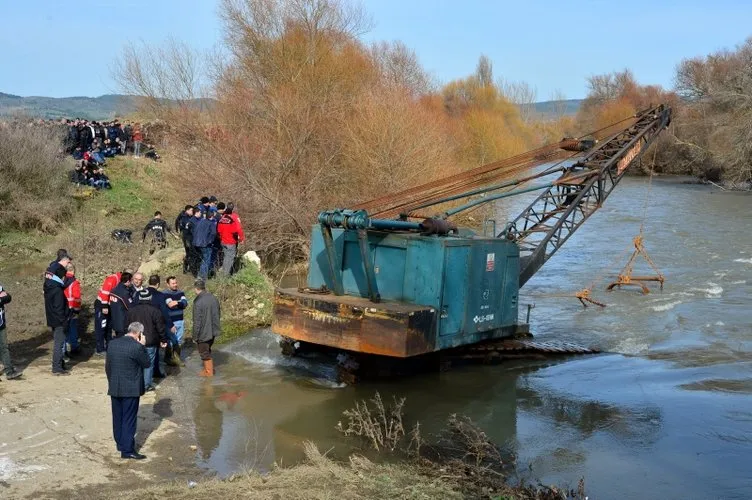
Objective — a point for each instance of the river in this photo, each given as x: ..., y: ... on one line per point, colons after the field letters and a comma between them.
x: 665, y: 413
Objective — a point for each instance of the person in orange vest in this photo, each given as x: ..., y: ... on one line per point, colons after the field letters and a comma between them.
x: 102, y: 326
x: 73, y: 294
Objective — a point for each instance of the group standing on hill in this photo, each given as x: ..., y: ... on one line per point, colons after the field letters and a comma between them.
x: 211, y: 232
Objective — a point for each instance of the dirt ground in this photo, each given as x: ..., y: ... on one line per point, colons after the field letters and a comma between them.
x: 56, y: 434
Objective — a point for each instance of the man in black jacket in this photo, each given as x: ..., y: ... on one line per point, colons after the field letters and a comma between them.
x: 159, y: 228
x: 150, y: 316
x: 57, y: 312
x: 120, y: 302
x: 184, y: 226
x: 124, y: 365
x: 10, y: 372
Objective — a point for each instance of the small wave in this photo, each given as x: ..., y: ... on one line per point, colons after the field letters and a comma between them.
x: 631, y: 346
x: 720, y: 323
x: 713, y: 290
x: 745, y: 261
x: 739, y: 282
x: 666, y: 307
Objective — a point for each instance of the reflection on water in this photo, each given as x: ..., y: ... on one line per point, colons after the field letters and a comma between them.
x: 667, y: 414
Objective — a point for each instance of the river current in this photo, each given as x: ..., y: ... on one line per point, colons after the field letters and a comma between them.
x: 666, y: 412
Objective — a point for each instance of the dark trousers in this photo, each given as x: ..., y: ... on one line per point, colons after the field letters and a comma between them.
x: 155, y: 365
x: 102, y: 330
x: 124, y: 417
x: 204, y: 349
x: 58, y: 336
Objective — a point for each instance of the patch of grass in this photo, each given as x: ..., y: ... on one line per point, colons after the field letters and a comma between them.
x: 246, y: 299
x: 319, y: 478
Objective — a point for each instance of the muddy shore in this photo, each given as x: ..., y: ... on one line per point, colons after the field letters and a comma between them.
x: 56, y: 440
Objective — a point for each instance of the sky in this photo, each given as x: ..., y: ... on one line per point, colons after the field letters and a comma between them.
x: 59, y: 49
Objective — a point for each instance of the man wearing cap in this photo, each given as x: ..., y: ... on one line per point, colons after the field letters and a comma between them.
x: 149, y: 315
x: 206, y: 325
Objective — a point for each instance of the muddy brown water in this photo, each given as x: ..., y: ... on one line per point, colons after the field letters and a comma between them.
x: 666, y: 413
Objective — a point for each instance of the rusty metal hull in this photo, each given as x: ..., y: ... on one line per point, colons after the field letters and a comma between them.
x: 355, y: 324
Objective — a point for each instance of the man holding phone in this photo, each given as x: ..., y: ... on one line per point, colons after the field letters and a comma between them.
x: 125, y: 363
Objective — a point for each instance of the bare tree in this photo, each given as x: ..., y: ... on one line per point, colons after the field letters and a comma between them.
x: 484, y: 71
x: 522, y: 94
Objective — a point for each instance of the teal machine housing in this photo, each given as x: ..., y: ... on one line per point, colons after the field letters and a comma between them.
x: 472, y: 282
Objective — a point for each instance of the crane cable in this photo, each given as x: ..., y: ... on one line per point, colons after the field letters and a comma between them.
x: 585, y: 294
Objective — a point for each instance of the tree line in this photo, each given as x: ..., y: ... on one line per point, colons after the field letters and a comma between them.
x: 304, y: 115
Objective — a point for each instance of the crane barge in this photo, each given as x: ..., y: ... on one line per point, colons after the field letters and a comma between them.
x: 388, y: 280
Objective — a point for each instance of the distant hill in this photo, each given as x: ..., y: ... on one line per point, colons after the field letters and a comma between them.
x: 92, y: 108
x: 109, y: 106
x: 552, y: 108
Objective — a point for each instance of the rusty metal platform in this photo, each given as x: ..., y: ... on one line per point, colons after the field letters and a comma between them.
x: 355, y: 324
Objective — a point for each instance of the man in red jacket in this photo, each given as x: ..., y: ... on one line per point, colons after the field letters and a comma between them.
x: 230, y: 234
x: 73, y: 294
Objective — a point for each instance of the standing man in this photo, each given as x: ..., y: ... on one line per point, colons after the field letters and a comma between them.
x: 120, y: 302
x: 230, y: 235
x: 138, y: 138
x: 204, y: 233
x: 176, y: 303
x: 206, y: 325
x: 149, y: 315
x: 102, y: 323
x: 57, y: 312
x: 124, y: 365
x: 184, y: 226
x: 10, y: 372
x: 73, y: 296
x: 159, y: 301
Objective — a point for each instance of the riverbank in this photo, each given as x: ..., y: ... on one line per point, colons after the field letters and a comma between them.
x: 57, y: 435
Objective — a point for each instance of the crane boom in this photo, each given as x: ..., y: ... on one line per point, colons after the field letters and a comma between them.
x: 543, y: 227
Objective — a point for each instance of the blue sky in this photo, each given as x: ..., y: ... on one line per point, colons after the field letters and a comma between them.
x: 57, y: 48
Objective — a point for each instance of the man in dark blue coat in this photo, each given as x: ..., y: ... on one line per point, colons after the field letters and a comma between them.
x: 120, y: 301
x: 124, y: 365
x: 57, y: 313
x: 204, y: 234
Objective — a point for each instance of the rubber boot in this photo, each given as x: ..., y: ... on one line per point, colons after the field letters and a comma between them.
x: 208, y: 370
x: 168, y: 356
x: 178, y: 354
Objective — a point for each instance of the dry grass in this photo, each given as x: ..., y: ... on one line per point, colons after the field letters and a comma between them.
x: 34, y: 186
x: 317, y: 478
x: 461, y: 456
x: 381, y: 426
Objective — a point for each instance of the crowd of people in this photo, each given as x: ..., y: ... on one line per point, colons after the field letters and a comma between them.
x: 211, y: 232
x: 91, y: 143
